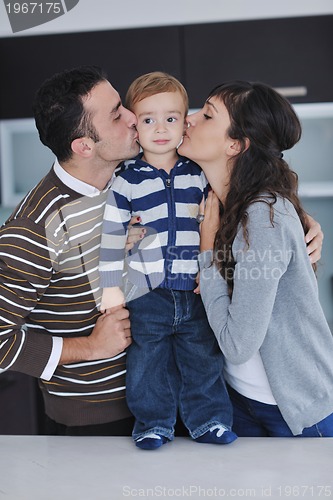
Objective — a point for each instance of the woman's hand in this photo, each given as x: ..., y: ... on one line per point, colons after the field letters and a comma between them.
x: 135, y: 233
x: 314, y: 239
x: 211, y: 222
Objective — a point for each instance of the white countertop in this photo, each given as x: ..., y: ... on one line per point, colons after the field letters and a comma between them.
x: 98, y: 468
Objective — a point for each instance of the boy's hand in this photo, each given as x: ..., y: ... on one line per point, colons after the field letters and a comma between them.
x: 112, y: 297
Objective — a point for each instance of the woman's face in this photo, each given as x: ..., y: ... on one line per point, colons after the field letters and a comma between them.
x: 206, y: 139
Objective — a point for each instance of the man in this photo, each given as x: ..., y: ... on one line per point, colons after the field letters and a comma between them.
x: 50, y: 325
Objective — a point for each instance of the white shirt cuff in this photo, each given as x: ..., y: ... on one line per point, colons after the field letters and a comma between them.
x: 54, y: 358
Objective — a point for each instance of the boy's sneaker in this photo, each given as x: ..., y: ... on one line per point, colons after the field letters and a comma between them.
x: 217, y: 435
x: 151, y: 441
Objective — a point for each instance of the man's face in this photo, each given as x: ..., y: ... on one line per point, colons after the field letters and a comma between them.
x: 114, y: 124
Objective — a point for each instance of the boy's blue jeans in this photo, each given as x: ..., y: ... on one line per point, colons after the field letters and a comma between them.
x: 255, y: 419
x: 174, y: 363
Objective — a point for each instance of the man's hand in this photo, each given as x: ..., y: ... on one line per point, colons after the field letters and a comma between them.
x: 314, y: 239
x: 110, y: 336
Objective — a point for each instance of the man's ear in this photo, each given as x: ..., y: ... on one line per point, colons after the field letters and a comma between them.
x: 236, y: 147
x: 82, y: 146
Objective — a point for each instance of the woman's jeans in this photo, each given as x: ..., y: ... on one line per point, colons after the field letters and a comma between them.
x: 256, y: 419
x: 174, y: 362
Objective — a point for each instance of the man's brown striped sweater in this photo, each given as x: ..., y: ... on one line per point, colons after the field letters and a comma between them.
x: 49, y: 286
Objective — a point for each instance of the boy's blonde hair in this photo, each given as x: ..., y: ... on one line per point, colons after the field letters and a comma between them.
x: 154, y: 83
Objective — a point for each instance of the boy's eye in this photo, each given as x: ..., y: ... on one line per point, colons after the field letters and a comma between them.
x: 171, y: 119
x: 148, y: 120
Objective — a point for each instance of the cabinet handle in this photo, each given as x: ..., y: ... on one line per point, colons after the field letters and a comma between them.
x: 292, y: 91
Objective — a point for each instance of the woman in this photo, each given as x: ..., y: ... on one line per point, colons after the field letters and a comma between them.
x: 256, y: 279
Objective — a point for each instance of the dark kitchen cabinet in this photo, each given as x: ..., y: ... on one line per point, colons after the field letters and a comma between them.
x: 292, y: 52
x: 282, y: 52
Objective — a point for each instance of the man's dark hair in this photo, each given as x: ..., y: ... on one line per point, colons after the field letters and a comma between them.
x: 59, y: 112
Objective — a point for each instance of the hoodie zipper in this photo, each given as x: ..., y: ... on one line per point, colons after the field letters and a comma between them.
x: 171, y: 227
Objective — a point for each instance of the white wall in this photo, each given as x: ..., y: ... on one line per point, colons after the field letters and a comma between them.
x: 92, y: 15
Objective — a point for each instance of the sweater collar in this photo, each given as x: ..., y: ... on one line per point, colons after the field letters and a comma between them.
x: 138, y: 163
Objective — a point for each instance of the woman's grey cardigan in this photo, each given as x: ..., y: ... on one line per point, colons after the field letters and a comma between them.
x: 274, y: 309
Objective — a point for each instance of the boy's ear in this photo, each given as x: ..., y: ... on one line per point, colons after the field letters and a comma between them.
x: 82, y: 146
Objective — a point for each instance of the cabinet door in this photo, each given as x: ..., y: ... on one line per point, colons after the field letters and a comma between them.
x: 292, y: 52
x: 124, y: 54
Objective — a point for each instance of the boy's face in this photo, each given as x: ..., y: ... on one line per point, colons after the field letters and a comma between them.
x: 160, y: 122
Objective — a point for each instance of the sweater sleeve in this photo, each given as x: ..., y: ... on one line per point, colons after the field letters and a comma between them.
x: 25, y: 273
x: 114, y: 233
x: 240, y: 324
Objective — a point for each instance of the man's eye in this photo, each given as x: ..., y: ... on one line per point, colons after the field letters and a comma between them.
x: 207, y: 117
x: 117, y: 118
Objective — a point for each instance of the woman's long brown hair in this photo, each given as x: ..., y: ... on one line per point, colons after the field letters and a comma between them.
x: 267, y: 120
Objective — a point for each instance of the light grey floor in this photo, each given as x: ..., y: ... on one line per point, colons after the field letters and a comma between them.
x: 91, y: 468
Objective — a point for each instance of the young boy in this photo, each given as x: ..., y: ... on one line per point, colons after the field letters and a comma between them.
x: 174, y: 361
